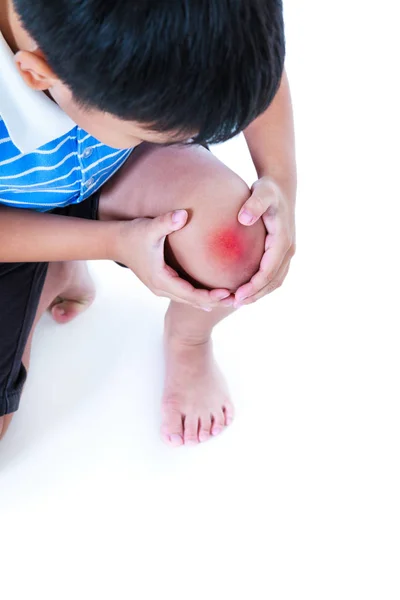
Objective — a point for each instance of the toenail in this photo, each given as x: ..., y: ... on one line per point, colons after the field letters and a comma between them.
x: 216, y: 431
x: 176, y: 439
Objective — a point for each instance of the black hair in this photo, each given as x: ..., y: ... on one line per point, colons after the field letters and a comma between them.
x: 208, y: 67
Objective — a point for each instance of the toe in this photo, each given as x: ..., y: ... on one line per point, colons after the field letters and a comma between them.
x: 229, y: 413
x: 64, y: 311
x: 218, y: 422
x: 205, y: 428
x: 172, y: 429
x: 191, y: 430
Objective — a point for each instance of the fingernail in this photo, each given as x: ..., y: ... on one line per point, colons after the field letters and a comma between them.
x: 227, y: 303
x: 245, y: 217
x: 241, y: 298
x: 178, y: 216
x: 222, y: 295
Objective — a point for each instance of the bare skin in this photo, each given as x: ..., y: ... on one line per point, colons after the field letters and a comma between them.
x: 196, y: 403
x: 68, y: 291
x: 151, y: 184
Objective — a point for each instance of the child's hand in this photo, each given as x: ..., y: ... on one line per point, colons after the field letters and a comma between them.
x: 269, y: 202
x: 140, y: 246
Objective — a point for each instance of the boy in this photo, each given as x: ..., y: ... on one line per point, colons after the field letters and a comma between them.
x: 84, y: 83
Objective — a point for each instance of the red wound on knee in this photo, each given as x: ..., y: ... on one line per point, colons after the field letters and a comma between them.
x: 226, y: 244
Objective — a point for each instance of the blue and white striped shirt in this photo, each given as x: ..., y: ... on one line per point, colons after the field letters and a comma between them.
x: 64, y: 171
x: 46, y: 161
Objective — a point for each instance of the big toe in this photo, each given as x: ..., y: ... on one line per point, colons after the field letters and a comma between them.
x: 172, y: 428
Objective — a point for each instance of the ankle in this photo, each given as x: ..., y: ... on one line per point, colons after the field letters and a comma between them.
x: 177, y: 333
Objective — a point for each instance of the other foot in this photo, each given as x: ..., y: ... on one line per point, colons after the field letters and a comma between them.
x: 78, y: 294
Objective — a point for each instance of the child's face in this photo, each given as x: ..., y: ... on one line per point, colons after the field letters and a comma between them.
x: 107, y: 128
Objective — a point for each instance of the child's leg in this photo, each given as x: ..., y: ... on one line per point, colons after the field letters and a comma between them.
x: 67, y: 291
x: 213, y: 248
x: 196, y: 403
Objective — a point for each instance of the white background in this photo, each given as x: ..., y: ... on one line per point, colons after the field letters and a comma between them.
x: 300, y: 498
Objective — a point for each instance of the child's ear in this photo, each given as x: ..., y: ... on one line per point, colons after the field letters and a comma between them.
x: 34, y: 70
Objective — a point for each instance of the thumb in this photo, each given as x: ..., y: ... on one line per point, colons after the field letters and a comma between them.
x: 168, y: 223
x: 264, y: 193
x: 252, y: 210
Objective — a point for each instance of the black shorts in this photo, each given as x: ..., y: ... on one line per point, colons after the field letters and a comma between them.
x: 21, y: 286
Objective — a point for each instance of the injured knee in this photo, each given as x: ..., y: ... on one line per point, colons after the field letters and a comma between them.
x: 214, y: 250
x: 225, y: 255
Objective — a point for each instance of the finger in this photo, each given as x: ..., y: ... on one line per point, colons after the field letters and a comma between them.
x: 215, y: 295
x: 212, y: 297
x: 264, y: 193
x: 207, y: 308
x: 165, y: 224
x: 172, y: 285
x: 219, y: 294
x: 180, y: 301
x: 271, y: 262
x: 271, y: 287
x: 228, y: 302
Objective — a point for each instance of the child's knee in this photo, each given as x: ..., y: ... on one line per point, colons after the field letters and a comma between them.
x: 214, y: 249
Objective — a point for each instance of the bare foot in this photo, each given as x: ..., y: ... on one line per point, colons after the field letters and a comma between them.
x: 196, y: 402
x: 78, y: 294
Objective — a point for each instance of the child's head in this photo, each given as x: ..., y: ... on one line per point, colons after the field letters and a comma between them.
x: 156, y: 70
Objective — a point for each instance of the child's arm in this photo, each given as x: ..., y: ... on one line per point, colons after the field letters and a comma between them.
x: 27, y: 236
x: 272, y: 146
x: 271, y: 141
